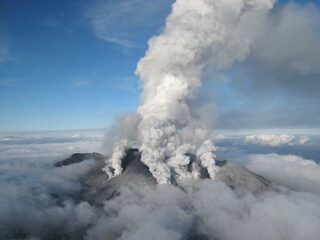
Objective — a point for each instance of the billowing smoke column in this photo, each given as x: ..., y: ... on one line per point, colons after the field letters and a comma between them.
x: 198, y: 35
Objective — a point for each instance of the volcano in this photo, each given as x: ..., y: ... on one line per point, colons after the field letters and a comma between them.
x: 97, y: 188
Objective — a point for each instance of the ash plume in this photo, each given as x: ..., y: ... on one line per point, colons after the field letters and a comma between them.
x: 266, y: 187
x: 197, y: 35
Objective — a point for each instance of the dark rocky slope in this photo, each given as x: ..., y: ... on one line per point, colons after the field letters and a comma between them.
x: 97, y: 188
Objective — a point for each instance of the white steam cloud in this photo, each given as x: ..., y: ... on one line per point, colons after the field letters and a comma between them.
x: 198, y: 34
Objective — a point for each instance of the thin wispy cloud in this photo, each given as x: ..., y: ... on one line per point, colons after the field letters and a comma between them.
x: 5, y: 46
x: 90, y: 78
x: 56, y: 23
x: 82, y: 82
x: 122, y: 22
x: 5, y: 54
x: 122, y: 83
x: 128, y: 84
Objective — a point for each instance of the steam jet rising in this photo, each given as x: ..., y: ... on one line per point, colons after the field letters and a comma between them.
x: 198, y: 35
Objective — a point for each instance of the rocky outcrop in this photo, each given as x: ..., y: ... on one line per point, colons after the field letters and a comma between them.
x: 80, y: 157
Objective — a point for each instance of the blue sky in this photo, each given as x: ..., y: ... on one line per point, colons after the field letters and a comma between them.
x: 60, y: 74
x: 70, y: 64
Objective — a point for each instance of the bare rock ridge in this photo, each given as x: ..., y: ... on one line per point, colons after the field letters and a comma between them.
x: 97, y: 188
x: 80, y: 157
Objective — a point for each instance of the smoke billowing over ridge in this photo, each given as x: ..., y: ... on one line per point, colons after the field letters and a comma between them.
x: 271, y: 191
x: 197, y: 34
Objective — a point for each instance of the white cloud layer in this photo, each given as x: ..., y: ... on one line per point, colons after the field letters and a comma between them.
x: 29, y: 208
x: 50, y: 146
x: 273, y: 140
x: 270, y: 140
x: 292, y: 171
x: 208, y: 209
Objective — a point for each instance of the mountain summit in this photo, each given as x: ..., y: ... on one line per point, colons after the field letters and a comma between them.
x: 96, y: 187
